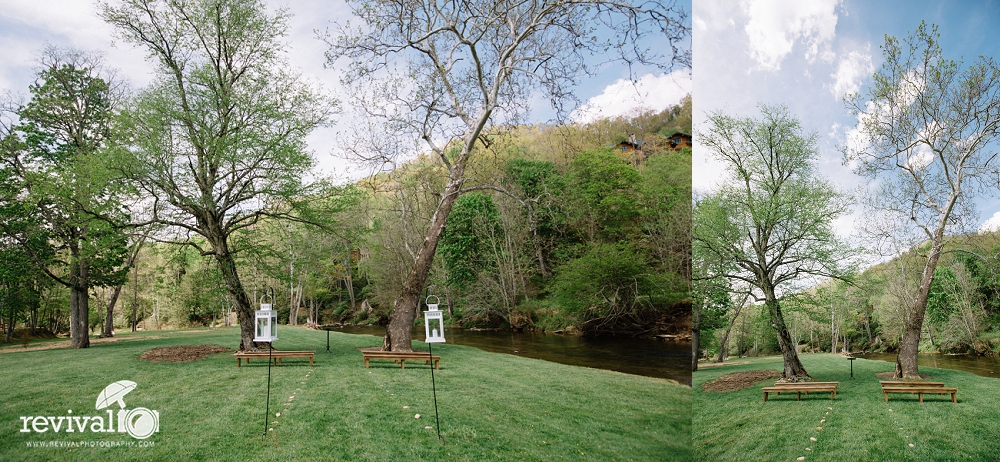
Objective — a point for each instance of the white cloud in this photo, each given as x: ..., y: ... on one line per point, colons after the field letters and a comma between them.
x: 656, y: 92
x: 775, y: 25
x: 990, y: 225
x: 852, y: 69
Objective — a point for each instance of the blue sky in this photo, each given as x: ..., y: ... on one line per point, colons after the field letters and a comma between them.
x: 807, y: 54
x: 27, y: 26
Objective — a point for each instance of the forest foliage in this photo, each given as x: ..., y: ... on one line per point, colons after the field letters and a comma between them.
x: 563, y: 230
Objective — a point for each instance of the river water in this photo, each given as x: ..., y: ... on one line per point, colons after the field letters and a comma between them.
x: 667, y: 359
x: 979, y: 365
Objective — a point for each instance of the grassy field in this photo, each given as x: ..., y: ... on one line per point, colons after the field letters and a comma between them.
x: 860, y: 425
x: 492, y: 406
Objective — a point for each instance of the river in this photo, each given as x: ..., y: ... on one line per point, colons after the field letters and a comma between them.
x: 979, y: 365
x: 667, y: 359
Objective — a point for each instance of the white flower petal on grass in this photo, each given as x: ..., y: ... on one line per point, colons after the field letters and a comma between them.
x: 801, y: 458
x: 428, y: 427
x: 911, y: 445
x: 812, y: 438
x: 416, y: 416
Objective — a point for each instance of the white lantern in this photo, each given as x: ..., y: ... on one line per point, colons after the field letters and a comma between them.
x: 433, y: 321
x: 266, y: 323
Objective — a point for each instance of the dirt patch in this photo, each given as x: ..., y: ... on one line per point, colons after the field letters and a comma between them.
x: 739, y: 380
x: 181, y: 354
x: 888, y: 376
x: 67, y: 344
x: 713, y: 364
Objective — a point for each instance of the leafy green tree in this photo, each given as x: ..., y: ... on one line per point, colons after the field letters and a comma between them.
x: 462, y: 244
x: 218, y: 142
x: 610, y: 287
x: 769, y: 222
x: 539, y: 185
x: 926, y: 127
x: 602, y: 196
x: 64, y: 180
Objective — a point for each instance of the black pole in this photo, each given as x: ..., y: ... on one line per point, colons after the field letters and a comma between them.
x: 430, y: 352
x: 267, y: 407
x: 328, y: 340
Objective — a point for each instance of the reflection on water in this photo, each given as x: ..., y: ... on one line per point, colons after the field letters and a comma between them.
x: 649, y: 357
x: 979, y: 365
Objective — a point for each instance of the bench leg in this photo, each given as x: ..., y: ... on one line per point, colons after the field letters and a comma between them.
x: 366, y: 363
x: 799, y: 396
x: 886, y: 396
x: 920, y: 396
x: 239, y: 362
x: 310, y: 361
x: 831, y: 395
x: 953, y: 398
x: 765, y: 396
x: 402, y: 364
x: 437, y: 364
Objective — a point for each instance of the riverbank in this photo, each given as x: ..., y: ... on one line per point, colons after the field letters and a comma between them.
x: 668, y: 359
x: 492, y: 406
x: 857, y: 425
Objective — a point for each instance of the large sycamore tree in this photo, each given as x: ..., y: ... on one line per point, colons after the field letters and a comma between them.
x: 768, y: 225
x: 443, y: 72
x: 218, y: 140
x: 927, y: 132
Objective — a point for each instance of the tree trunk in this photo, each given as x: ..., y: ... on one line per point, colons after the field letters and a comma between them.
x: 79, y: 301
x: 695, y: 338
x: 135, y: 296
x: 398, y: 334
x: 537, y: 241
x: 244, y: 312
x: 725, y: 337
x: 10, y: 319
x: 109, y: 323
x: 906, y: 359
x: 793, y: 367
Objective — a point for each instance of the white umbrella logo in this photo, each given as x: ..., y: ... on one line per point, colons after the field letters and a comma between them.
x: 114, y: 393
x: 140, y: 422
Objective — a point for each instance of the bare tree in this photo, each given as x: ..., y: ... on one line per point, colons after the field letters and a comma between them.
x: 926, y: 131
x: 444, y: 71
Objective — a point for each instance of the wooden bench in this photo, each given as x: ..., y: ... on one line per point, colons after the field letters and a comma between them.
x: 800, y: 388
x: 919, y: 388
x: 822, y: 386
x: 401, y: 357
x: 275, y: 355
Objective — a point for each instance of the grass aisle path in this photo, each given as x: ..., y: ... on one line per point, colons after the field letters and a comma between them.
x: 492, y: 406
x: 860, y: 425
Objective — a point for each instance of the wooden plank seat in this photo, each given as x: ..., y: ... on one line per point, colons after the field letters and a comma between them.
x: 888, y: 383
x: 401, y: 357
x: 938, y: 390
x: 275, y: 355
x: 813, y: 386
x: 801, y: 388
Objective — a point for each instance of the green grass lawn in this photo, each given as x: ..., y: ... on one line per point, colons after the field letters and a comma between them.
x: 492, y: 406
x: 861, y: 426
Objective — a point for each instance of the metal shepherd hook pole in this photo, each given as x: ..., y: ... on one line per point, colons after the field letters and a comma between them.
x: 269, y: 337
x: 437, y: 421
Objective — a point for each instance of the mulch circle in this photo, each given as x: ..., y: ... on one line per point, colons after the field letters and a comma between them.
x: 181, y: 354
x: 739, y: 380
